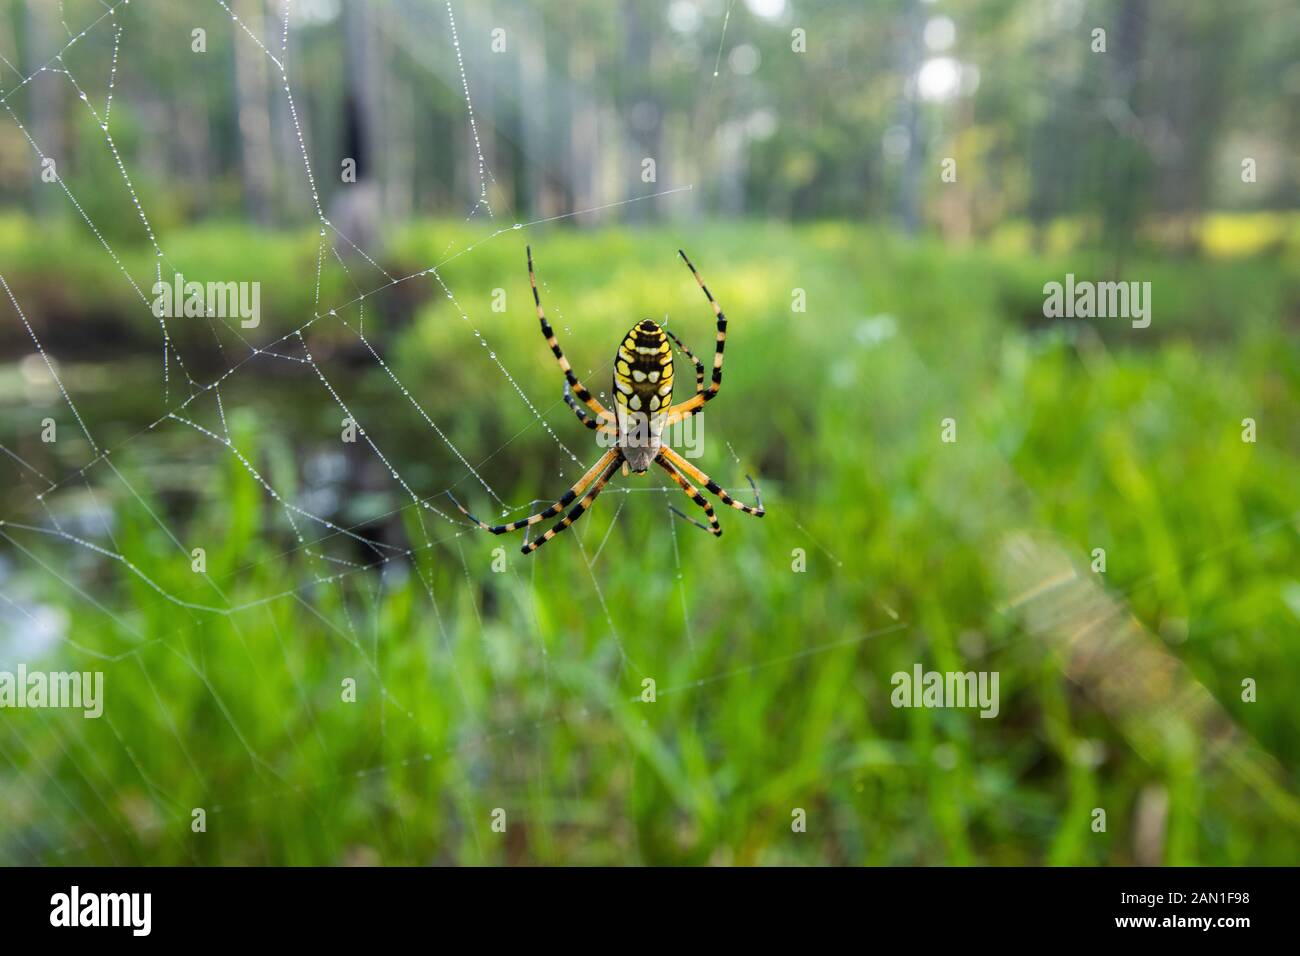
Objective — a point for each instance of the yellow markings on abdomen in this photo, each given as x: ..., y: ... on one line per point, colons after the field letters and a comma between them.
x: 643, y: 370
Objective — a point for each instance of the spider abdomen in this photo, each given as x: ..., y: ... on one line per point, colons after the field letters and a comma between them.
x: 643, y: 391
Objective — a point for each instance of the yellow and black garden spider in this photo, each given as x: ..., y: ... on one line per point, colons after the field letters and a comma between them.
x: 643, y: 388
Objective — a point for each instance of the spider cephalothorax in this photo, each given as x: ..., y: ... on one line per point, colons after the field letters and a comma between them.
x: 643, y: 388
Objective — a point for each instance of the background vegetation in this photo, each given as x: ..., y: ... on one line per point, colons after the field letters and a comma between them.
x: 520, y: 690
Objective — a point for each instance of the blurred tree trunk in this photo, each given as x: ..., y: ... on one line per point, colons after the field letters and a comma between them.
x: 731, y: 169
x: 561, y: 122
x: 479, y: 176
x: 355, y: 211
x: 1048, y: 145
x: 251, y: 98
x: 510, y: 130
x: 533, y: 125
x: 909, y: 118
x: 584, y: 133
x: 1123, y: 191
x: 1191, y: 90
x: 643, y: 111
x: 291, y: 197
x: 194, y: 156
x: 406, y: 120
x: 43, y: 41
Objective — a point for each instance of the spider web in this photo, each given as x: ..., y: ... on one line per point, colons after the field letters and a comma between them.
x: 55, y: 539
x: 67, y: 537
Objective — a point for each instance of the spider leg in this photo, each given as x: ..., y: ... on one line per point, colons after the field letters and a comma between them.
x: 548, y: 333
x: 613, y: 455
x: 712, y: 527
x: 591, y: 422
x: 691, y: 471
x: 699, y: 366
x: 581, y: 507
x: 692, y: 405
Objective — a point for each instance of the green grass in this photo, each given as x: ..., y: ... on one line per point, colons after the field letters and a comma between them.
x: 521, y: 689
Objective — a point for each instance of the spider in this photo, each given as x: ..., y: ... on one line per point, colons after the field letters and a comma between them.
x: 643, y: 387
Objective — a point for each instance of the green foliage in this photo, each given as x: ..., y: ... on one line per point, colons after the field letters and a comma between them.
x: 521, y: 690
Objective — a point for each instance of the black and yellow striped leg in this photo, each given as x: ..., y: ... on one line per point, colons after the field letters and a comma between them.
x: 677, y: 461
x: 581, y: 507
x: 548, y: 333
x: 712, y: 527
x: 590, y: 421
x: 692, y: 405
x: 613, y: 456
x: 699, y: 366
